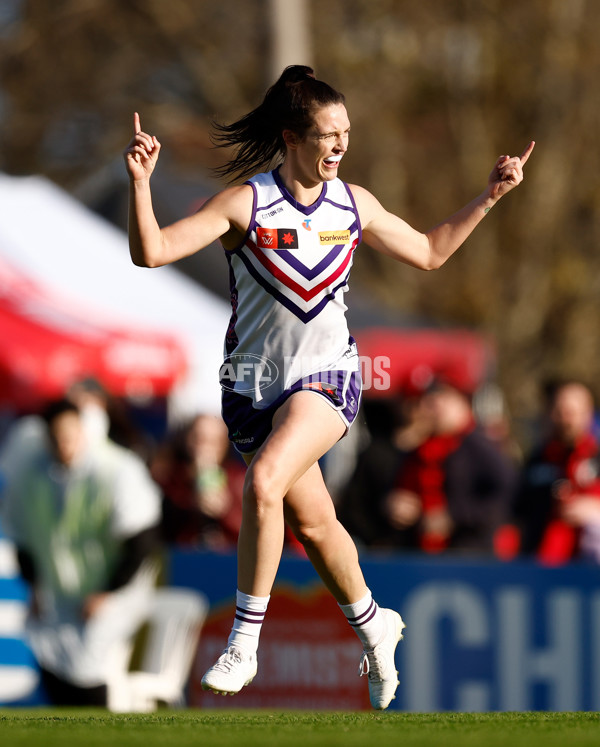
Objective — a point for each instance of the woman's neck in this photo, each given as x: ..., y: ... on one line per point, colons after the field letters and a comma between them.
x: 303, y: 190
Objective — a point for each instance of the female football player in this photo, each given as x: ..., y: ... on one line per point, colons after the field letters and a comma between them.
x: 291, y: 381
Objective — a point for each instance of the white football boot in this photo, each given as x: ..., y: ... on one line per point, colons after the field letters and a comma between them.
x: 233, y: 670
x: 379, y: 665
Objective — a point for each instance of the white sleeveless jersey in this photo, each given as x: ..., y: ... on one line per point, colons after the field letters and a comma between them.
x: 288, y: 279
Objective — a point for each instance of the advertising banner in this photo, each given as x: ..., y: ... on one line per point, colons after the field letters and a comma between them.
x: 480, y: 636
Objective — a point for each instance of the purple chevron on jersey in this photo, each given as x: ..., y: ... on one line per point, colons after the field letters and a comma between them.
x: 310, y: 273
x: 303, y: 315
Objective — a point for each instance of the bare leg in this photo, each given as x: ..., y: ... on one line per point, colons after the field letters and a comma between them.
x: 304, y: 428
x: 284, y: 477
x: 310, y: 512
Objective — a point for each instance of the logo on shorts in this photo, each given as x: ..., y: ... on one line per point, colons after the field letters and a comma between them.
x: 277, y: 238
x: 323, y: 386
x: 246, y: 372
x: 242, y: 440
x: 334, y: 237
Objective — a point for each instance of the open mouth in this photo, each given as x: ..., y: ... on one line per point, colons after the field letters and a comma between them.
x: 332, y: 161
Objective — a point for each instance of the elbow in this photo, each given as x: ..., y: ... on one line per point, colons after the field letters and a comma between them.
x: 146, y: 252
x: 145, y: 262
x: 434, y: 259
x: 143, y: 259
x: 429, y: 258
x: 431, y: 263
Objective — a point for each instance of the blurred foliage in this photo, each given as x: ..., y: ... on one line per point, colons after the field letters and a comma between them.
x: 436, y: 90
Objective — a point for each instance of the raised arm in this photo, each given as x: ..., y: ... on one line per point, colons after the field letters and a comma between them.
x: 228, y: 212
x: 389, y: 234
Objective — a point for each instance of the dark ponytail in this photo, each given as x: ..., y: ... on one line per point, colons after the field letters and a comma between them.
x: 288, y: 105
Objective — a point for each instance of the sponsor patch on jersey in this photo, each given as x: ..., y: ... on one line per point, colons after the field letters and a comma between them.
x: 277, y: 238
x: 334, y: 237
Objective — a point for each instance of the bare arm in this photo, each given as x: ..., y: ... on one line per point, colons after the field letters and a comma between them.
x: 152, y: 246
x: 389, y: 234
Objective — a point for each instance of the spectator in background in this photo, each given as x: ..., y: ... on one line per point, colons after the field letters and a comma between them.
x: 91, y: 399
x: 558, y: 505
x: 395, y: 428
x: 83, y: 515
x: 101, y: 415
x: 454, y: 490
x: 491, y: 412
x: 105, y: 416
x: 202, y: 485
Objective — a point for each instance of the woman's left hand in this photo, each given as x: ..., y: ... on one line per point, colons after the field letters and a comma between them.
x: 508, y: 172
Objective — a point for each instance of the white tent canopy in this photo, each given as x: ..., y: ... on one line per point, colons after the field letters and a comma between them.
x: 65, y: 247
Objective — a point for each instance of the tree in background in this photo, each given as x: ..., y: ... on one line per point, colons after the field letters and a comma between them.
x: 436, y: 90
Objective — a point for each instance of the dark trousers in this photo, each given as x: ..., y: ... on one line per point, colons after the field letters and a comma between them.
x: 61, y: 692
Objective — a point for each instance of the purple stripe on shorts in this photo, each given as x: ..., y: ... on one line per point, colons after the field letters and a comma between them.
x: 352, y: 397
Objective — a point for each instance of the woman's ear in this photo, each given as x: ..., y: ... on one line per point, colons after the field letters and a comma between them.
x: 290, y: 139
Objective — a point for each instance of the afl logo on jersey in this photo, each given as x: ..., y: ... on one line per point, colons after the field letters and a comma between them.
x: 334, y: 237
x: 276, y: 238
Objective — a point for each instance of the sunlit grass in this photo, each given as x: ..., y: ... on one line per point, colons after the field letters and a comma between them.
x: 279, y: 729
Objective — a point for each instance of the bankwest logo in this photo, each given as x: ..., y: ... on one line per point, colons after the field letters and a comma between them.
x: 334, y: 237
x: 277, y: 238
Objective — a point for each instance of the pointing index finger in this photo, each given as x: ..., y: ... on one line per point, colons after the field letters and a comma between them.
x: 527, y: 152
x: 136, y: 123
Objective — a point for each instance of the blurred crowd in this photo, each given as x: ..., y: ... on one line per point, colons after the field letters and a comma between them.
x: 90, y: 502
x: 440, y: 474
x: 431, y: 471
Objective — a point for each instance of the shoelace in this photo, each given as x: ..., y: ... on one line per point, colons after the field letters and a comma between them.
x: 228, y: 659
x: 368, y: 660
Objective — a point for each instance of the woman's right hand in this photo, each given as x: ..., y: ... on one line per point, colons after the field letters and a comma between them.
x: 141, y: 154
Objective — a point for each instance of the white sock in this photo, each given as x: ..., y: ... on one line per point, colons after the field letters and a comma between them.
x: 366, y: 619
x: 249, y: 616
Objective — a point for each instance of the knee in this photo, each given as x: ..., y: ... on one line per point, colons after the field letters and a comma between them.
x: 314, y: 532
x: 309, y: 535
x: 261, y: 490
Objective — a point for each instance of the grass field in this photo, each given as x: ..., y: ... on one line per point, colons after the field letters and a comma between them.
x: 280, y: 729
